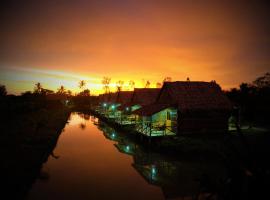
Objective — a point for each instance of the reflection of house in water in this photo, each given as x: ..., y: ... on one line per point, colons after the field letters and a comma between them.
x: 109, y: 132
x: 127, y: 148
x: 176, y: 178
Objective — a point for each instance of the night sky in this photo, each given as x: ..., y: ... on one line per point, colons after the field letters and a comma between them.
x: 62, y: 42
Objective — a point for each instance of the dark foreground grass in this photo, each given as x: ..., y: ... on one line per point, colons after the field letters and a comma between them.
x: 27, y: 139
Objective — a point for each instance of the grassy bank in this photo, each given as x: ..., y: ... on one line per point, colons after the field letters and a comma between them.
x: 29, y: 133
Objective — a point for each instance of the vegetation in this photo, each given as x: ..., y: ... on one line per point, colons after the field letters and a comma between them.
x: 131, y: 84
x: 106, y: 84
x: 252, y: 101
x: 82, y: 84
x: 3, y: 91
x: 30, y: 126
x: 119, y: 85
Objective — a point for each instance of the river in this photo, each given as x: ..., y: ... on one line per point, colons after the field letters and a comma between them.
x: 93, y: 161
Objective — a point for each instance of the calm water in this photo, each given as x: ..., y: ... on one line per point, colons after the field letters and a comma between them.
x: 92, y: 161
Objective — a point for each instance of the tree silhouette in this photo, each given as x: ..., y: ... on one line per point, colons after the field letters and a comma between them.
x: 82, y: 84
x: 38, y: 88
x: 263, y: 81
x: 85, y: 93
x: 131, y: 84
x: 3, y: 90
x: 106, y: 84
x: 46, y: 91
x: 61, y: 90
x: 158, y: 85
x: 167, y: 79
x: 69, y: 93
x: 147, y: 84
x: 119, y: 85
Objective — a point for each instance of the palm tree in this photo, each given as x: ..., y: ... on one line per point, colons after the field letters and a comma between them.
x: 147, y: 84
x: 131, y: 84
x: 82, y: 84
x: 38, y: 88
x: 119, y: 85
x: 106, y: 83
x: 61, y: 90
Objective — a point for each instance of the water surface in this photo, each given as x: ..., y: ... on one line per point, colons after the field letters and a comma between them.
x: 93, y: 161
x: 86, y: 165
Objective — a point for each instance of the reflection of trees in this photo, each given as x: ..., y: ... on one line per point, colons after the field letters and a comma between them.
x: 54, y: 156
x: 82, y: 126
x: 84, y: 116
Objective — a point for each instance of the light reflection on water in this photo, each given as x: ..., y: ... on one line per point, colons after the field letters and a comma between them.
x: 88, y: 166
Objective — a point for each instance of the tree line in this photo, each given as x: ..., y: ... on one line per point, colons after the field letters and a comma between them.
x: 106, y: 85
x: 252, y: 100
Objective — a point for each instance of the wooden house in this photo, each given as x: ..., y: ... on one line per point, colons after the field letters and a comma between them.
x: 111, y: 105
x: 140, y: 97
x: 103, y: 105
x: 185, y: 106
x: 123, y: 98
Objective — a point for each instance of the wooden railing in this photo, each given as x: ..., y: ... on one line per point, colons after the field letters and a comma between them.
x: 149, y: 129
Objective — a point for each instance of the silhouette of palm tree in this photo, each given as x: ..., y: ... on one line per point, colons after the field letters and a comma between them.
x: 82, y: 84
x: 61, y: 90
x: 38, y: 88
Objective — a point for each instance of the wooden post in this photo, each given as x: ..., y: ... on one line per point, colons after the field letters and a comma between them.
x: 150, y: 126
x: 120, y: 117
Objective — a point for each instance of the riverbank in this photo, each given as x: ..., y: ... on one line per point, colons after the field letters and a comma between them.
x: 29, y: 133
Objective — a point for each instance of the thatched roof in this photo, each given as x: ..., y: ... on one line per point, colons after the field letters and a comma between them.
x: 150, y: 109
x: 188, y: 96
x: 194, y: 96
x: 141, y: 96
x: 145, y: 96
x: 113, y: 97
x: 104, y: 97
x: 124, y: 97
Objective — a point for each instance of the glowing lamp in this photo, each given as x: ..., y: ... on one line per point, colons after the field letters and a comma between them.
x: 153, y: 170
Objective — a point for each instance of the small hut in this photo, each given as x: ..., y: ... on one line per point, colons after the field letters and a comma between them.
x: 140, y: 97
x: 123, y: 98
x: 103, y: 103
x: 185, y: 106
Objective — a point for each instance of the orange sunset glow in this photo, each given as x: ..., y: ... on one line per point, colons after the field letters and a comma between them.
x: 62, y: 42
